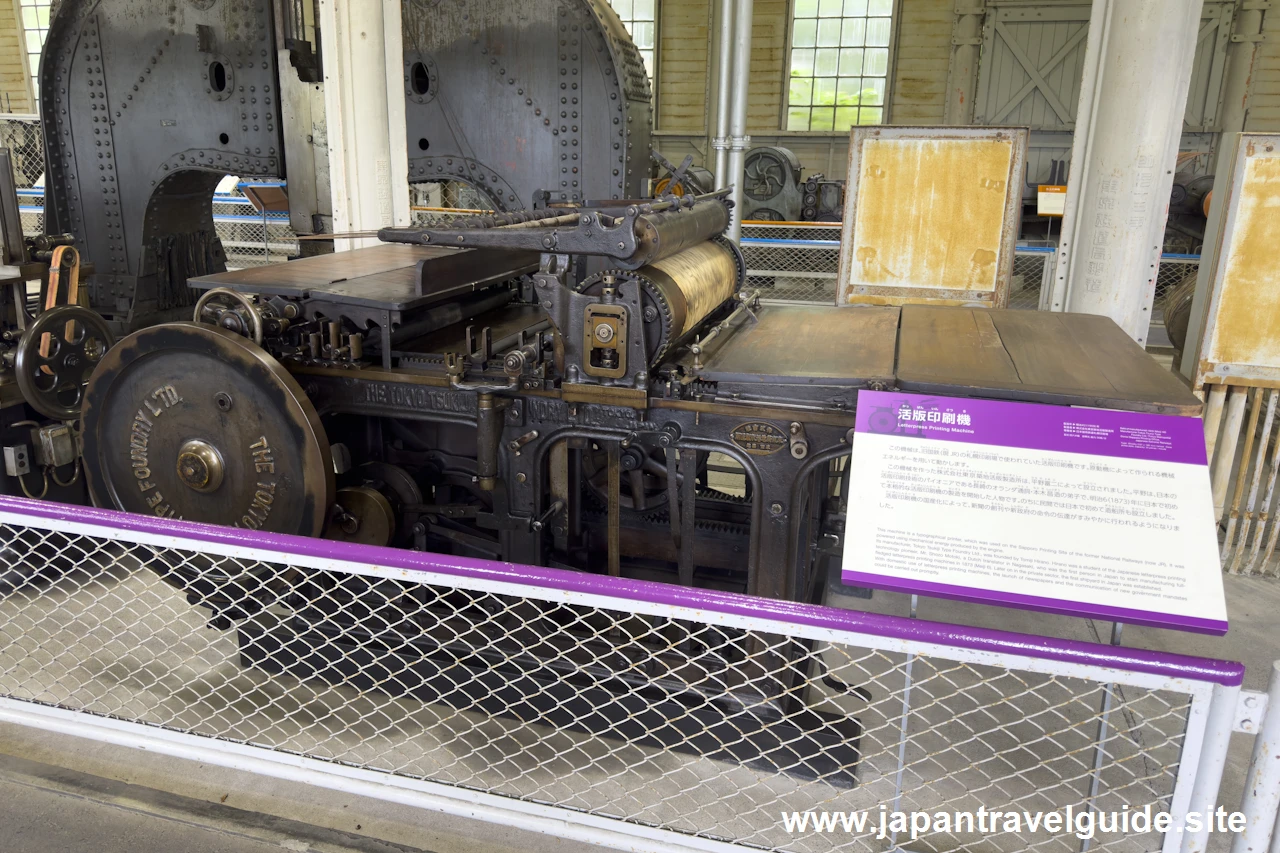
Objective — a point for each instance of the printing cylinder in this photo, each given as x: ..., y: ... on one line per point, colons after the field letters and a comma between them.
x: 670, y: 232
x: 678, y: 292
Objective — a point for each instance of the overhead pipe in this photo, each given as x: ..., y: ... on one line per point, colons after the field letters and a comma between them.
x: 724, y: 72
x: 738, y: 138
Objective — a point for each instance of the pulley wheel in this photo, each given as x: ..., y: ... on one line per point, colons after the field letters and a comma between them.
x: 367, y: 517
x: 185, y: 420
x: 53, y: 383
x: 240, y: 314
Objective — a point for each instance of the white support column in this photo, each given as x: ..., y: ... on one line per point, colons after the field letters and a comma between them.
x: 724, y: 77
x: 364, y: 113
x: 1128, y: 125
x: 738, y: 138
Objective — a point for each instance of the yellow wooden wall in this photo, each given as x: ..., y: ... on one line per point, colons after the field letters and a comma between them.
x: 682, y: 64
x: 922, y: 53
x: 14, y: 95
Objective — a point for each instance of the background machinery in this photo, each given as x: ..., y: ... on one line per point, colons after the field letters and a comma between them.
x: 149, y: 103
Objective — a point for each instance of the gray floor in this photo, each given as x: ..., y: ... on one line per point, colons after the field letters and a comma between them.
x: 60, y: 793
x: 47, y: 808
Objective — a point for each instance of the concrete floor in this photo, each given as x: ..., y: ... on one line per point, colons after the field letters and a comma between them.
x: 49, y: 808
x: 56, y: 792
x: 60, y: 793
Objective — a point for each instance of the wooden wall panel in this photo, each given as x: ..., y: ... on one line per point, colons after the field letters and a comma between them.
x: 14, y: 96
x: 768, y: 60
x: 683, y: 65
x: 921, y: 58
x: 918, y: 89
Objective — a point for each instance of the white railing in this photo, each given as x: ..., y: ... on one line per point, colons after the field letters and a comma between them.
x: 630, y: 713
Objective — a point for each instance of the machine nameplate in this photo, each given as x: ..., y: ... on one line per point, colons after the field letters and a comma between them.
x: 544, y: 410
x: 156, y: 403
x: 417, y: 397
x: 759, y: 438
x: 541, y: 409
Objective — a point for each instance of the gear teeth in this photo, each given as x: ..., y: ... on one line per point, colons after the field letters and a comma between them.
x: 716, y: 494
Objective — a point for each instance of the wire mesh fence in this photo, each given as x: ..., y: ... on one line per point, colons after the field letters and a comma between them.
x: 433, y: 202
x: 1027, y: 281
x: 1173, y: 270
x: 800, y: 263
x: 707, y: 715
x: 251, y: 237
x: 21, y: 135
x: 792, y: 262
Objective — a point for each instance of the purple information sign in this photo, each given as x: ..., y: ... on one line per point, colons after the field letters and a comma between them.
x: 1032, y: 426
x: 1087, y: 512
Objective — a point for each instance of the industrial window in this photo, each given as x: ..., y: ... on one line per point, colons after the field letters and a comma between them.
x: 35, y: 25
x: 641, y: 20
x: 839, y: 63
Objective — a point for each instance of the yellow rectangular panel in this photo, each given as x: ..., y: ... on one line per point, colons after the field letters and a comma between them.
x: 930, y: 213
x: 1246, y: 329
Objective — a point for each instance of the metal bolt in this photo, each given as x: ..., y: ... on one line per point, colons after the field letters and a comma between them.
x: 223, y: 401
x: 775, y: 508
x: 521, y: 477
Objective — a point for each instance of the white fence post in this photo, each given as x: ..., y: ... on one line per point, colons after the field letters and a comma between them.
x: 1212, y: 759
x: 1261, y: 801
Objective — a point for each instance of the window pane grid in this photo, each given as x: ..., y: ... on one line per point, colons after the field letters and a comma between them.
x: 839, y: 63
x: 35, y: 26
x: 640, y: 19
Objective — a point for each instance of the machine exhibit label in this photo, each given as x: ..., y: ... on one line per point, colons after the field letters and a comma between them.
x: 759, y: 438
x: 1043, y: 507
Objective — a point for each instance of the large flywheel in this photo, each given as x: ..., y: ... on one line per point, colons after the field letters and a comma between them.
x: 191, y: 421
